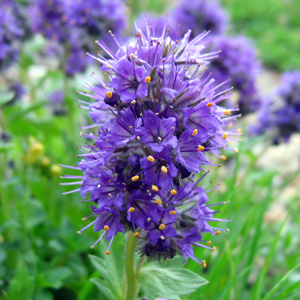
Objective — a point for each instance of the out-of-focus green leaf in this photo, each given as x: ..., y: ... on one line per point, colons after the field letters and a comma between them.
x: 170, y: 283
x: 22, y: 285
x: 54, y: 278
x: 4, y: 98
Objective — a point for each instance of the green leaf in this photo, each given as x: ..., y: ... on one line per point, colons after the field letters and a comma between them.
x: 276, y: 287
x: 4, y: 98
x: 104, y: 288
x: 110, y: 282
x: 54, y: 278
x: 21, y: 287
x: 158, y: 281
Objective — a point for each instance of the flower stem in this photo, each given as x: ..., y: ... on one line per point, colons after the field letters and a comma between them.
x: 131, y: 281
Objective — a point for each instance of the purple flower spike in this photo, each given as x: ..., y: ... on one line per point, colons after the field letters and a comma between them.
x: 10, y: 33
x: 199, y: 15
x: 156, y: 119
x: 239, y: 63
x: 282, y: 118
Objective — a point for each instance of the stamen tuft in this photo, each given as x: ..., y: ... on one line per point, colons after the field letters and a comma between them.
x: 173, y: 192
x: 135, y: 178
x: 131, y: 209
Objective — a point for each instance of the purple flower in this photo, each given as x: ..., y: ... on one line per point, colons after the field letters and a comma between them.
x: 96, y: 17
x: 189, y: 152
x: 77, y: 61
x: 160, y: 119
x: 238, y: 62
x: 48, y: 18
x: 10, y: 33
x: 157, y: 133
x: 56, y: 103
x: 161, y: 171
x: 130, y: 82
x: 75, y: 24
x: 199, y: 16
x: 283, y: 117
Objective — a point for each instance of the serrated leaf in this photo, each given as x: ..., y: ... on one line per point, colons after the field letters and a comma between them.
x: 104, y: 288
x: 170, y: 283
x: 108, y: 271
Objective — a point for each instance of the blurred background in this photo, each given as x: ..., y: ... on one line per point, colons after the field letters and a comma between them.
x: 43, y: 62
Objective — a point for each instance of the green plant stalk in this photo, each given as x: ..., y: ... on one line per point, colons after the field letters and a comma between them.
x: 131, y: 281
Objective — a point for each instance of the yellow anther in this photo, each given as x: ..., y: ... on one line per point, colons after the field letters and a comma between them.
x: 208, y: 243
x: 200, y: 148
x: 149, y: 219
x: 227, y: 112
x: 236, y: 150
x: 109, y: 94
x: 213, y: 248
x: 135, y: 178
x: 131, y: 209
x: 161, y: 226
x: 92, y: 247
x: 84, y: 219
x: 148, y: 79
x: 79, y: 232
x: 162, y: 237
x: 157, y: 201
x: 107, y: 252
x: 230, y: 125
x: 239, y: 130
x: 204, y: 265
x: 154, y: 188
x: 224, y: 135
x: 173, y: 192
x: 218, y: 232
x: 210, y: 104
x: 106, y: 228
x: 99, y: 186
x: 195, y: 132
x: 136, y: 234
x: 150, y: 158
x: 172, y: 212
x: 223, y: 157
x: 164, y: 169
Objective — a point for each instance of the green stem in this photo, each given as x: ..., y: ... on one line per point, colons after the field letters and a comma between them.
x: 131, y: 281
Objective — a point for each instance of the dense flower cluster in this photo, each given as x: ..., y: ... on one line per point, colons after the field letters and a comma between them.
x: 10, y: 33
x: 96, y: 17
x: 238, y: 61
x: 48, y: 18
x: 72, y: 24
x: 158, y: 118
x: 283, y: 118
x: 199, y: 15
